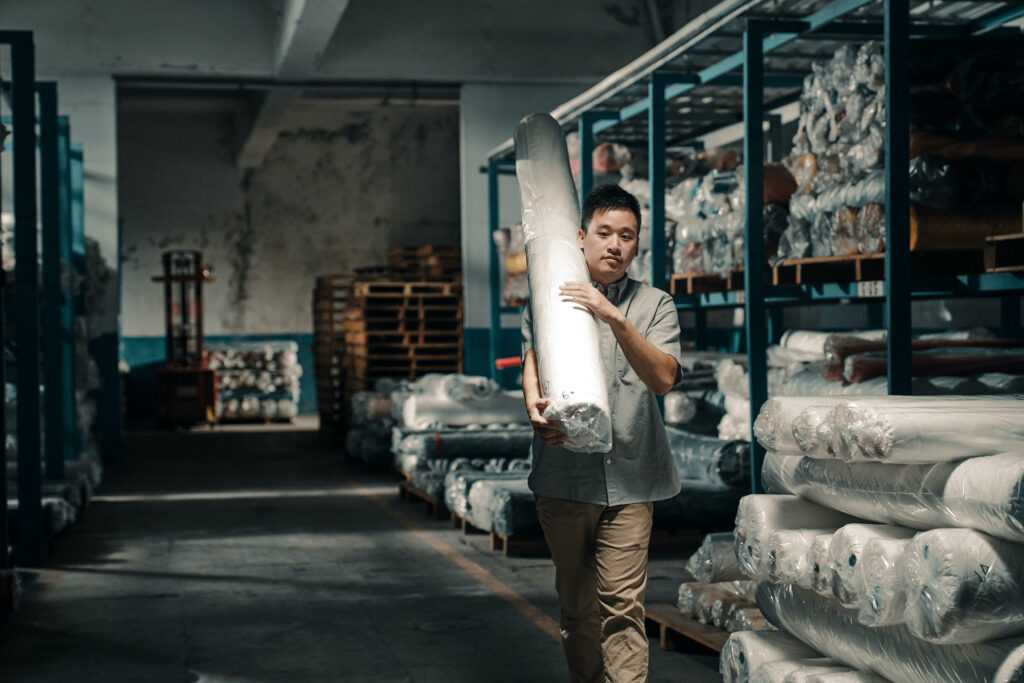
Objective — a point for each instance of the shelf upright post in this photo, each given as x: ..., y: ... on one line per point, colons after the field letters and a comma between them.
x: 897, y: 194
x: 1009, y: 316
x: 72, y: 438
x: 26, y: 297
x: 753, y: 272
x: 53, y: 376
x: 586, y: 133
x: 495, y: 271
x: 700, y: 339
x: 656, y: 143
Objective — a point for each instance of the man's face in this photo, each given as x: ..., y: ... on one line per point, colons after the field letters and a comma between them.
x: 609, y: 244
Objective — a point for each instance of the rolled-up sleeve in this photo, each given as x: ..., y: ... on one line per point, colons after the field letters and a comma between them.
x: 664, y: 332
x: 527, y: 330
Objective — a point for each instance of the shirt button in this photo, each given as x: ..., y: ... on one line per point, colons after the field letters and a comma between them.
x: 608, y: 461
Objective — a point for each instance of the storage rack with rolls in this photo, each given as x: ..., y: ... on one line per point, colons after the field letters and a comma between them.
x: 733, y: 56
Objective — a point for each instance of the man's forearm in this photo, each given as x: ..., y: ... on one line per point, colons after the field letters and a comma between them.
x: 656, y: 368
x: 531, y: 378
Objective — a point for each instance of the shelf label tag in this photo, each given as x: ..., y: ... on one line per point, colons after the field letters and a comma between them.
x: 741, y: 297
x: 871, y: 289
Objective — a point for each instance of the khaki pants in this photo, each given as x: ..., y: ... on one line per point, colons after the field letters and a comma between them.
x: 600, y: 556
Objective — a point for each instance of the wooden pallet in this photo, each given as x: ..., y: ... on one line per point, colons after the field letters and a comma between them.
x: 404, y: 313
x: 390, y: 352
x: 871, y: 267
x: 400, y: 289
x: 378, y: 326
x: 1004, y: 253
x: 435, y: 508
x: 420, y: 338
x: 680, y: 633
x: 464, y: 524
x: 704, y: 283
x: 519, y: 546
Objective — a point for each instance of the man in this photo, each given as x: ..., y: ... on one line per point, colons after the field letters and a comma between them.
x: 595, y: 508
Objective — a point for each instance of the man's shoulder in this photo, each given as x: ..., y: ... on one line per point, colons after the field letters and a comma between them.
x: 644, y: 292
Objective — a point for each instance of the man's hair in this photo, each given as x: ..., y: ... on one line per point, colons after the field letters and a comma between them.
x: 606, y: 197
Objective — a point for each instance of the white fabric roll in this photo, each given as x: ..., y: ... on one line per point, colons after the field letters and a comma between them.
x: 746, y: 619
x: 842, y: 676
x: 715, y: 560
x: 774, y: 426
x: 821, y: 574
x: 679, y: 408
x: 845, y: 553
x: 963, y: 586
x: 745, y: 651
x: 930, y: 429
x: 423, y: 411
x: 882, y: 587
x: 985, y: 493
x: 1012, y: 668
x: 565, y: 336
x: 813, y: 432
x: 486, y: 497
x: 889, y: 651
x: 758, y: 516
x: 797, y: 670
x: 789, y: 555
x: 724, y: 606
x: 697, y: 599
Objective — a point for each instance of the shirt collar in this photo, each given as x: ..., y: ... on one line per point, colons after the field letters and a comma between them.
x: 615, y: 290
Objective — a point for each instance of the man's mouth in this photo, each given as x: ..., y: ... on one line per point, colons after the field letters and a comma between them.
x: 613, y: 259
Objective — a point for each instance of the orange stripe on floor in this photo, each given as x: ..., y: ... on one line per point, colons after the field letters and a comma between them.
x: 493, y: 583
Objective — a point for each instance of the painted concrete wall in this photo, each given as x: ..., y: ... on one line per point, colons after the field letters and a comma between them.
x: 342, y: 185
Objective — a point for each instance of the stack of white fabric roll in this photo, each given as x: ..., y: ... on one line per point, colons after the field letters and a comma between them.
x: 892, y: 544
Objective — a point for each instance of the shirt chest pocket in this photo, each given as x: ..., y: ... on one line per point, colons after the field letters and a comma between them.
x: 625, y: 371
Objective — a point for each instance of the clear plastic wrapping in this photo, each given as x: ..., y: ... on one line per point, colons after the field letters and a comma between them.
x: 774, y: 426
x: 845, y: 554
x: 704, y: 462
x: 793, y: 670
x: 715, y: 560
x: 423, y: 411
x: 458, y: 482
x: 789, y: 556
x: 929, y: 429
x: 694, y: 594
x: 503, y: 506
x: 821, y: 574
x: 759, y: 516
x: 679, y: 408
x: 435, y: 444
x: 745, y: 651
x: 882, y: 585
x: 571, y: 375
x: 889, y: 651
x: 746, y: 619
x: 984, y: 493
x: 723, y: 608
x: 840, y: 676
x: 963, y: 586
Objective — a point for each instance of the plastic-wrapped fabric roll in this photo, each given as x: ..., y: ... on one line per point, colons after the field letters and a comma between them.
x: 694, y: 594
x: 882, y: 587
x: 725, y: 605
x: 793, y: 670
x: 679, y: 409
x: 789, y: 555
x: 845, y: 552
x: 814, y: 433
x: 1012, y: 668
x: 709, y: 463
x: 571, y: 375
x: 715, y: 560
x: 774, y: 426
x: 504, y: 507
x: 464, y: 443
x: 747, y: 619
x: 421, y: 411
x: 889, y: 651
x: 745, y: 651
x: 821, y: 574
x: 841, y: 676
x: 761, y: 515
x: 429, y: 481
x: 457, y: 484
x: 929, y: 429
x: 963, y: 586
x: 985, y: 493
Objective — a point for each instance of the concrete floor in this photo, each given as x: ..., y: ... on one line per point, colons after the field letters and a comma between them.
x: 255, y: 555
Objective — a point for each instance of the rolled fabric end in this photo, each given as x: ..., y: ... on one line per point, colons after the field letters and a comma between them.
x: 586, y: 422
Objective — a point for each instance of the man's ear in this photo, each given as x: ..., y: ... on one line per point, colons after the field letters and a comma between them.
x: 579, y: 238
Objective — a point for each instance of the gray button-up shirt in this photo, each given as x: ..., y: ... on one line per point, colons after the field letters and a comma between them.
x: 640, y: 467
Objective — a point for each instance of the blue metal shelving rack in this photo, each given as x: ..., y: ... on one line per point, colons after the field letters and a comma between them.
x: 747, y: 58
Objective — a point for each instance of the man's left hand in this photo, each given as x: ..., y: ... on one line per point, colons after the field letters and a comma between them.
x: 590, y: 298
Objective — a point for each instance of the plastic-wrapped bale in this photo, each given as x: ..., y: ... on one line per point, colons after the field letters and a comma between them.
x: 694, y: 594
x: 774, y: 424
x: 370, y: 406
x: 570, y: 374
x: 794, y: 670
x: 759, y: 516
x: 963, y: 586
x: 845, y: 553
x: 704, y: 462
x: 746, y: 619
x: 789, y: 556
x: 429, y: 478
x: 929, y: 429
x: 715, y: 560
x: 679, y: 408
x: 500, y: 442
x: 745, y: 651
x: 889, y: 651
x: 882, y: 585
x: 985, y: 493
x: 723, y: 607
x: 821, y: 576
x: 423, y: 411
x: 499, y: 505
x: 459, y: 482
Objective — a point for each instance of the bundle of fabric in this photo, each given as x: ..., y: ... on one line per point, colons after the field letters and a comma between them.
x: 889, y: 651
x: 569, y: 372
x: 715, y: 560
x: 806, y: 670
x: 450, y: 444
x: 429, y: 478
x: 460, y: 480
x: 454, y: 400
x: 845, y: 555
x: 259, y: 380
x: 503, y: 506
x: 882, y: 584
x: 746, y: 619
x: 745, y: 652
x: 707, y: 463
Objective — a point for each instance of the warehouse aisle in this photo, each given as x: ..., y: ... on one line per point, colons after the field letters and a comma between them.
x: 253, y: 555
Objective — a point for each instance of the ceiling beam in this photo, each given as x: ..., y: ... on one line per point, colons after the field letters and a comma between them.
x: 304, y: 31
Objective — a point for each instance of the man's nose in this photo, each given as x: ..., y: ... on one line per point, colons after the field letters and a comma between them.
x: 614, y: 245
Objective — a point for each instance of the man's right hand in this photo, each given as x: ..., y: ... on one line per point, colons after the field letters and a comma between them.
x: 551, y: 432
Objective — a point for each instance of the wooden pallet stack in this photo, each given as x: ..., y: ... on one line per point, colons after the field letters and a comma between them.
x: 427, y: 263
x: 330, y: 298
x: 402, y: 330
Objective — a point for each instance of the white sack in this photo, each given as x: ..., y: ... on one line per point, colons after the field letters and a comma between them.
x: 929, y: 429
x: 882, y: 586
x: 845, y: 553
x: 984, y: 493
x: 889, y: 651
x: 745, y: 651
x: 963, y: 586
x: 758, y: 516
x: 565, y: 337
